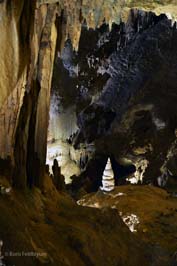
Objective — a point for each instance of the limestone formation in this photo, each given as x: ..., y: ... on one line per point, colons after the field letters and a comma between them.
x: 58, y: 177
x: 108, y: 177
x: 25, y: 110
x: 30, y: 33
x: 96, y: 11
x: 105, y: 73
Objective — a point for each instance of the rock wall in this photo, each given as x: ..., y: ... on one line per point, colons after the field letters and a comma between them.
x: 15, y: 26
x: 122, y: 91
x: 35, y: 110
x: 139, y: 110
x: 25, y: 109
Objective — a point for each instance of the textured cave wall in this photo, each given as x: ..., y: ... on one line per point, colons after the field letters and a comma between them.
x: 16, y: 19
x: 30, y: 44
x: 78, y: 79
x: 27, y: 43
x: 12, y: 39
x: 96, y: 11
x: 141, y: 93
x: 30, y: 148
x: 122, y: 84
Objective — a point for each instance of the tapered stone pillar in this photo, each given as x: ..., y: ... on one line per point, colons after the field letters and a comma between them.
x: 108, y: 177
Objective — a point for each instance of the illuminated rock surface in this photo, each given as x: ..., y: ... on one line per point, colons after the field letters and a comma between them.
x: 150, y: 211
x: 106, y: 76
x: 108, y: 182
x: 62, y: 233
x: 31, y: 33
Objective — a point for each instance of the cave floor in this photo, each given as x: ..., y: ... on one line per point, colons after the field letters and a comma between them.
x: 61, y: 232
x: 154, y: 208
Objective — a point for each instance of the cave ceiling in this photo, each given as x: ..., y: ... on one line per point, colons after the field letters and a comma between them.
x: 96, y: 11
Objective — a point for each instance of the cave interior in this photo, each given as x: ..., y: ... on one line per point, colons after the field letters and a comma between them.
x: 88, y: 142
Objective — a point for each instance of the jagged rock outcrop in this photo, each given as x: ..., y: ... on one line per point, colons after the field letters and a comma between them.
x: 140, y: 93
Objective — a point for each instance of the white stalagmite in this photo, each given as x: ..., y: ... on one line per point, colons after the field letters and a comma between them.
x: 108, y: 181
